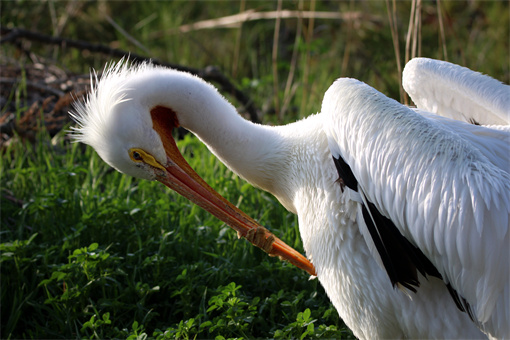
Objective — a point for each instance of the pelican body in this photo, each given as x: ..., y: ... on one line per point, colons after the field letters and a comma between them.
x: 403, y: 212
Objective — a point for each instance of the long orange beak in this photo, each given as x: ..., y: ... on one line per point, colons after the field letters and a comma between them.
x: 179, y: 176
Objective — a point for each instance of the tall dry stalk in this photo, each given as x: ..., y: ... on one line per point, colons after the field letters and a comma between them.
x: 417, y: 31
x: 441, y: 29
x: 306, y: 68
x: 290, y: 86
x: 274, y: 60
x: 392, y: 17
x: 410, y: 31
x: 413, y: 39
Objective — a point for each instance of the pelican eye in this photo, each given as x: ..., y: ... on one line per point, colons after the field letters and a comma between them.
x: 141, y: 156
x: 137, y: 156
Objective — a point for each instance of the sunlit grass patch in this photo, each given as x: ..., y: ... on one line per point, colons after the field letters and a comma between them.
x: 89, y: 252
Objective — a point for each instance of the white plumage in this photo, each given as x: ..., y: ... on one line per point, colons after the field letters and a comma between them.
x: 457, y: 92
x: 442, y: 183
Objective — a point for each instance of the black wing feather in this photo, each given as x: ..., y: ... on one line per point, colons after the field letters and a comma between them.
x: 401, y: 259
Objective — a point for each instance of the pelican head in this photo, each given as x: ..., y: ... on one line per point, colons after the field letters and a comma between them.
x: 112, y: 121
x: 128, y: 118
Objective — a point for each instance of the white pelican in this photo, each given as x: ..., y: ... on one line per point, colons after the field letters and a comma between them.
x: 404, y: 214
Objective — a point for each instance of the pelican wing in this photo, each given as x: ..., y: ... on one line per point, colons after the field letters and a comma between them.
x: 456, y: 92
x: 436, y: 186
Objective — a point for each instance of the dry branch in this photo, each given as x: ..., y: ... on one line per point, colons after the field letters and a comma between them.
x: 211, y: 74
x: 233, y: 21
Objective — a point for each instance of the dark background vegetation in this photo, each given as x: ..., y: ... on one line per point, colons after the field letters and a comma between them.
x: 87, y: 252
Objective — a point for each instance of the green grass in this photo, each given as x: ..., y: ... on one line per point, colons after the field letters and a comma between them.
x: 90, y: 253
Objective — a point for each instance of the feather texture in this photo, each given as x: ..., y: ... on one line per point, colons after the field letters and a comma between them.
x: 456, y: 92
x: 457, y: 211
